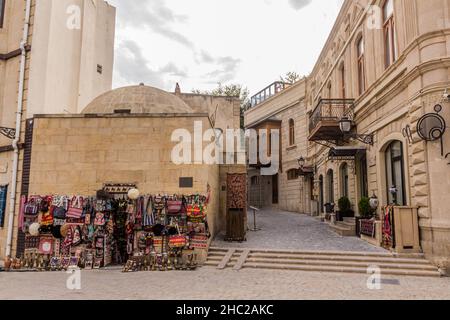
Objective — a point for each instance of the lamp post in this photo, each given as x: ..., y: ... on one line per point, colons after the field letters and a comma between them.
x: 346, y: 125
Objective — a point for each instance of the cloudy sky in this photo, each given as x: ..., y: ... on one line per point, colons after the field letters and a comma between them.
x: 199, y: 43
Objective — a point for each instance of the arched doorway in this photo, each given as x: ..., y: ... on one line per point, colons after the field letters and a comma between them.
x: 395, y: 174
x: 321, y: 194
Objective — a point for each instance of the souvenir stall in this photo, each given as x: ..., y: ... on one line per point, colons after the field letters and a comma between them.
x: 150, y: 232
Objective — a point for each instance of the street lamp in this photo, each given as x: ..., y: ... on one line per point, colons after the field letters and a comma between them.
x: 301, y: 162
x: 346, y: 125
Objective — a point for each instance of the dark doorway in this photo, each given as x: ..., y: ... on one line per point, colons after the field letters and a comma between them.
x: 275, y: 189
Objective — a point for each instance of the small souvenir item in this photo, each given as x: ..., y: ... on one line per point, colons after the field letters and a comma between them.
x: 74, y: 261
x: 76, y: 236
x: 89, y: 261
x: 98, y: 263
x: 55, y: 263
x: 46, y: 245
x: 99, y: 219
x: 65, y: 262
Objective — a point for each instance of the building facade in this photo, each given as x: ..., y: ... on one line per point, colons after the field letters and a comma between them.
x: 383, y: 68
x: 55, y: 57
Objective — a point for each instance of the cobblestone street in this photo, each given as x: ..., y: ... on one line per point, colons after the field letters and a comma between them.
x: 287, y: 230
x: 279, y: 230
x: 210, y: 283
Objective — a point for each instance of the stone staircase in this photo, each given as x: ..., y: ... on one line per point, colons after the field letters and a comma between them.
x: 346, y: 228
x: 342, y: 262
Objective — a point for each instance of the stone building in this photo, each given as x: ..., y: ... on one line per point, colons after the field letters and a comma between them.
x: 125, y: 136
x: 382, y: 68
x: 55, y: 57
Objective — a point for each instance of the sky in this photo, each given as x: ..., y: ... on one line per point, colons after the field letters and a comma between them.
x: 200, y: 43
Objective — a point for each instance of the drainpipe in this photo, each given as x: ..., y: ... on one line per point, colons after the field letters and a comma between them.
x: 15, y: 143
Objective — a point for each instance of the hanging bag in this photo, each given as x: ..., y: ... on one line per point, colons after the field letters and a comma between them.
x: 31, y: 208
x: 75, y: 208
x: 174, y: 207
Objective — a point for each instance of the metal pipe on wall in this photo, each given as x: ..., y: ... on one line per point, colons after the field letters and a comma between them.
x: 15, y: 143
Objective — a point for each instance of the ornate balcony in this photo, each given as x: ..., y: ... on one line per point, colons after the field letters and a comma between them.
x: 324, y: 121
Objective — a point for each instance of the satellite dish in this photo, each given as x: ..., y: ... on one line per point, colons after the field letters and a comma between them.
x: 431, y: 127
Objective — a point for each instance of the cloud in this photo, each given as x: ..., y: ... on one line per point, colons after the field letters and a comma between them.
x: 173, y: 70
x: 132, y: 66
x: 299, y: 4
x: 157, y: 17
x: 227, y: 68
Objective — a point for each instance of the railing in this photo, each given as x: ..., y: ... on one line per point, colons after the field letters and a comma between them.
x: 330, y: 110
x: 268, y: 92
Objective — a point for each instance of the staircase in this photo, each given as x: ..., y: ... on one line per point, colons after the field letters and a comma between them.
x: 343, y: 262
x: 346, y: 228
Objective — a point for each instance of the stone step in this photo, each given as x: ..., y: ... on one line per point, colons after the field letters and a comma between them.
x: 344, y: 224
x: 326, y: 253
x: 371, y: 260
x: 343, y: 231
x: 361, y: 264
x: 341, y: 269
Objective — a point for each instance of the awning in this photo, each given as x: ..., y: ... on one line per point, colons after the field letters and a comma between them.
x: 346, y: 153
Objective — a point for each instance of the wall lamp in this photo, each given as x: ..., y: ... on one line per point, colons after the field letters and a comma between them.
x: 346, y: 125
x: 8, y: 132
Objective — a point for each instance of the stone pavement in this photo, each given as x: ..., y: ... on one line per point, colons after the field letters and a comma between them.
x: 287, y: 230
x: 210, y: 283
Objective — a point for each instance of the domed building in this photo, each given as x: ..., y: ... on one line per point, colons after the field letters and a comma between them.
x: 138, y: 100
x: 128, y: 136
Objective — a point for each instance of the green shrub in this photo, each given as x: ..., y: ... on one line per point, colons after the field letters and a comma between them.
x: 344, y: 204
x: 364, y: 208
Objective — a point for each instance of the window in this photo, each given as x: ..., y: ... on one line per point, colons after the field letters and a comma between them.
x: 3, y: 195
x: 395, y: 174
x: 344, y: 180
x: 363, y: 177
x: 390, y: 40
x: 361, y: 67
x: 330, y: 185
x: 291, y: 132
x: 292, y: 174
x: 255, y: 181
x: 342, y: 70
x: 2, y: 12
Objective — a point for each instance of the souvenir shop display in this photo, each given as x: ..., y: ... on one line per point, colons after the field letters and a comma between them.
x: 141, y: 232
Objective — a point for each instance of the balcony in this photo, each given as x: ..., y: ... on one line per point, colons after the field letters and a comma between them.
x: 324, y: 121
x: 268, y: 92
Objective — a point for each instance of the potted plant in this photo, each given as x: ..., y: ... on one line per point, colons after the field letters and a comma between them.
x: 345, y: 209
x: 366, y: 212
x: 365, y: 209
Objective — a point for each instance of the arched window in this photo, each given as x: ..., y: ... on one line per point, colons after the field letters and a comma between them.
x: 390, y: 39
x: 395, y: 174
x: 291, y: 132
x: 344, y: 180
x: 330, y: 186
x: 361, y: 66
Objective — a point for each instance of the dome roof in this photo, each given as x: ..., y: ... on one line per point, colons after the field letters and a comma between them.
x: 138, y: 99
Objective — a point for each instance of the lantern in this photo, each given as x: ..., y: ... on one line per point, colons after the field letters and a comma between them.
x: 133, y: 194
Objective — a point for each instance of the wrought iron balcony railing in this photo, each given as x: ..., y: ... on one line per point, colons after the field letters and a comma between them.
x: 330, y: 111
